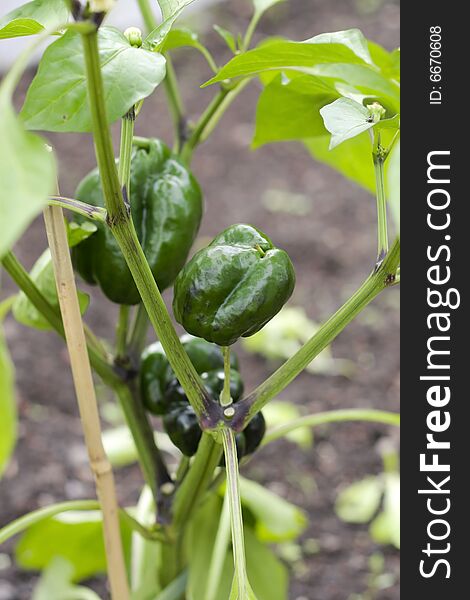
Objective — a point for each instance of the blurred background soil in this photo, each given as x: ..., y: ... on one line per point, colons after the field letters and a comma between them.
x: 333, y: 249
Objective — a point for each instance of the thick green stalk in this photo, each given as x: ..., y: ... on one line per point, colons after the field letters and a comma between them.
x: 333, y: 416
x: 123, y: 229
x: 280, y: 379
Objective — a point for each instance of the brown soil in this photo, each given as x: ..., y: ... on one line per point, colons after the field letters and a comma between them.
x: 332, y: 250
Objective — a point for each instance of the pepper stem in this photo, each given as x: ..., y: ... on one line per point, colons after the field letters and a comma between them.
x: 225, y: 397
x: 241, y: 587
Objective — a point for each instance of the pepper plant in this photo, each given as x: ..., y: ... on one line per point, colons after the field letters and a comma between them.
x: 129, y: 229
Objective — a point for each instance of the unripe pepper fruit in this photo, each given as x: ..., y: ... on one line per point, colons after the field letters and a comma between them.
x: 166, y: 207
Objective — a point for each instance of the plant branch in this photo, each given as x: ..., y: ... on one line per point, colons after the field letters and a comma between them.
x: 210, y: 117
x: 232, y: 491
x: 332, y: 416
x: 382, y: 230
x: 135, y: 416
x: 219, y: 552
x: 123, y: 229
x: 175, y: 102
x: 225, y: 397
x: 86, y: 397
x: 121, y: 333
x: 138, y: 335
x: 23, y: 280
x: 96, y: 213
x: 36, y: 516
x: 196, y: 481
x: 151, y: 462
x: 280, y: 379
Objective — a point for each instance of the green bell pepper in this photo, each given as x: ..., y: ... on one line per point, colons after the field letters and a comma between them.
x: 232, y: 288
x: 166, y: 204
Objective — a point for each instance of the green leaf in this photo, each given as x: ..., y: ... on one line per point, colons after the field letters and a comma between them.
x: 57, y: 98
x: 27, y: 171
x: 385, y: 529
x: 75, y: 536
x: 290, y: 109
x: 42, y: 274
x: 393, y: 182
x: 276, y: 519
x: 227, y: 36
x: 283, y: 55
x: 388, y: 62
x: 178, y: 38
x: 8, y: 419
x: 262, y: 6
x: 344, y: 119
x: 33, y: 17
x: 54, y: 583
x: 170, y: 7
x: 360, y: 501
x: 171, y: 10
x: 351, y: 38
x: 277, y: 413
x: 367, y: 80
x: 353, y: 158
x: 77, y: 232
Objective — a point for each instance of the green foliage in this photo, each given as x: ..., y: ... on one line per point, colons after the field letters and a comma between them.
x: 262, y: 6
x: 277, y: 413
x: 27, y: 170
x: 360, y: 503
x: 228, y: 37
x: 289, y: 109
x: 8, y: 420
x: 179, y: 38
x: 284, y: 56
x: 33, y: 17
x: 55, y: 583
x: 344, y: 119
x: 266, y: 573
x: 393, y: 181
x: 58, y: 103
x: 171, y: 10
x: 276, y: 520
x: 84, y: 547
x: 42, y: 274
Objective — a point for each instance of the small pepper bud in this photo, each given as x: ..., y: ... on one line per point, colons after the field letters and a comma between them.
x: 376, y: 111
x: 134, y: 35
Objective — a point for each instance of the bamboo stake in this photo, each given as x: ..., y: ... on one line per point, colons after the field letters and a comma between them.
x: 85, y: 392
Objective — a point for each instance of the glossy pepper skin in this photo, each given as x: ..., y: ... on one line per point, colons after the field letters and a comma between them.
x: 166, y: 205
x: 155, y: 371
x: 181, y: 423
x: 232, y: 288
